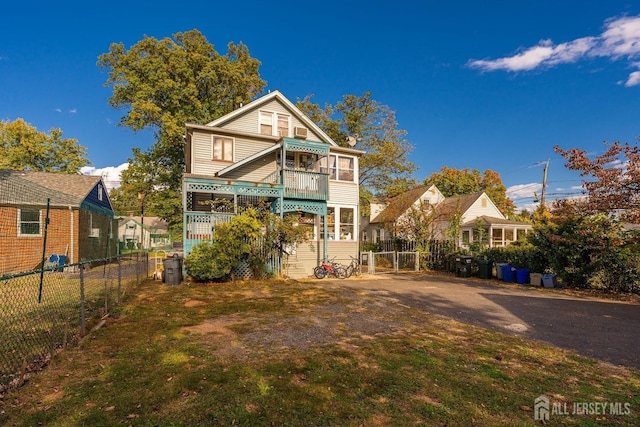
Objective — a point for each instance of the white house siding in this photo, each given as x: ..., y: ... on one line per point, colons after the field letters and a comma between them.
x: 343, y: 192
x: 476, y: 210
x: 202, y: 153
x: 309, y: 254
x: 255, y: 171
x: 250, y: 122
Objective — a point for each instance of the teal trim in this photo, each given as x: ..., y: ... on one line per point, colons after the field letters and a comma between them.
x: 291, y: 144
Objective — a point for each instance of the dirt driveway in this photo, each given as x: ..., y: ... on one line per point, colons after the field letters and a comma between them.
x: 598, y: 328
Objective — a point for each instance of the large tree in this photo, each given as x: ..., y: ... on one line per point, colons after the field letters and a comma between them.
x: 163, y: 84
x: 23, y: 147
x: 612, y: 179
x: 455, y: 182
x: 385, y: 167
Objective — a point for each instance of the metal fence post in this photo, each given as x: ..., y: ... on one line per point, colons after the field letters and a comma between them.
x: 417, y: 261
x: 83, y: 321
x: 119, y: 278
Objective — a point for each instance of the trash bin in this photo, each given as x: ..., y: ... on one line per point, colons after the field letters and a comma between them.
x: 508, y: 273
x: 172, y: 270
x: 536, y: 279
x: 522, y: 276
x: 463, y: 266
x: 549, y: 280
x: 499, y: 266
x: 484, y: 268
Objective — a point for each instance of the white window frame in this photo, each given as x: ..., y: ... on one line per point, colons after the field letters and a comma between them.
x: 333, y: 167
x: 274, y: 119
x: 100, y: 192
x: 334, y: 229
x: 20, y: 222
x: 214, y: 138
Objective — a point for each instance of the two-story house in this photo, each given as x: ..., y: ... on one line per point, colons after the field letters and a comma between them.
x: 268, y: 150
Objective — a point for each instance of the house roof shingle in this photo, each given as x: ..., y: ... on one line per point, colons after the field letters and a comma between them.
x: 399, y: 205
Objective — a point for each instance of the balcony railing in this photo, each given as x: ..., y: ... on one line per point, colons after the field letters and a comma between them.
x: 301, y: 184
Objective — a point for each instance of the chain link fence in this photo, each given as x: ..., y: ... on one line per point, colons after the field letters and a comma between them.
x: 62, y: 268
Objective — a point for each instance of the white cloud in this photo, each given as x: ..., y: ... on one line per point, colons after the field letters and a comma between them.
x: 73, y: 111
x: 619, y: 40
x: 633, y: 80
x: 522, y: 191
x: 58, y: 110
x: 110, y: 174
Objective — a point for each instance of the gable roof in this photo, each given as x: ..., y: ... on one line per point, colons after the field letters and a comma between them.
x: 257, y: 103
x: 461, y: 203
x: 61, y: 189
x: 74, y: 185
x: 399, y: 205
x: 16, y: 190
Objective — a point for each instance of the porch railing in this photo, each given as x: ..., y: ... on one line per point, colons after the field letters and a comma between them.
x: 301, y: 184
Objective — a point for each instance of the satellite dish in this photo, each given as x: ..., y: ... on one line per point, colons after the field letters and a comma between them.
x: 351, y: 141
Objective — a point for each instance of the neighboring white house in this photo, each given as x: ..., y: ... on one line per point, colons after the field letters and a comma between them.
x: 269, y: 151
x: 135, y: 232
x: 473, y: 211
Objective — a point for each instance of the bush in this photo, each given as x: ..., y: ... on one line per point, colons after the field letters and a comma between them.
x: 519, y: 255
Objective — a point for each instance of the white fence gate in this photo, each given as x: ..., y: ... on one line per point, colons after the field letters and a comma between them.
x: 389, y: 262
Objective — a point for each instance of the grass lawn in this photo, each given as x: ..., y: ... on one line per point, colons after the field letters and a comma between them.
x: 301, y: 354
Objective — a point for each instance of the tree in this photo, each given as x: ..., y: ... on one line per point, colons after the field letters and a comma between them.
x: 613, y: 179
x: 23, y: 147
x: 164, y: 84
x: 385, y: 166
x: 455, y: 182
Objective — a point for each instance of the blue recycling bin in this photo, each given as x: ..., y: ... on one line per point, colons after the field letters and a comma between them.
x: 508, y: 273
x: 522, y: 276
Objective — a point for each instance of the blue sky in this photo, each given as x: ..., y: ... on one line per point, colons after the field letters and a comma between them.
x: 484, y: 85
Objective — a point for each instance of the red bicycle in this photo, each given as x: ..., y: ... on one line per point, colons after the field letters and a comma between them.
x: 330, y: 268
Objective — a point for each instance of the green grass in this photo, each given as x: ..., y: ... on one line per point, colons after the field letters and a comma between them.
x: 299, y: 354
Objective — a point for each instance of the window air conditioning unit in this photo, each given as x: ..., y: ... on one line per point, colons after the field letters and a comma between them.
x: 300, y: 132
x: 94, y: 232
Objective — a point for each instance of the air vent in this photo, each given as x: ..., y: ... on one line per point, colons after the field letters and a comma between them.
x: 94, y: 232
x: 300, y: 132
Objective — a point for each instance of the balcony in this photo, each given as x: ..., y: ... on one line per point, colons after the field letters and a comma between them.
x: 301, y: 184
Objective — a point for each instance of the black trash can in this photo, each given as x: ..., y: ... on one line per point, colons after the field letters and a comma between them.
x: 463, y: 266
x: 485, y: 268
x: 172, y: 270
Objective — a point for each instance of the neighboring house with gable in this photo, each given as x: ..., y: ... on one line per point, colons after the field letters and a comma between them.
x: 269, y: 151
x: 473, y: 211
x: 80, y: 225
x: 149, y: 232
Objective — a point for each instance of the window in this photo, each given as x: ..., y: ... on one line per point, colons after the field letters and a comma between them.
x: 100, y: 192
x: 283, y: 125
x: 29, y: 222
x: 483, y: 202
x: 331, y: 225
x: 340, y: 224
x: 346, y: 224
x: 266, y: 123
x: 222, y: 149
x: 465, y: 237
x: 339, y: 168
x: 268, y: 120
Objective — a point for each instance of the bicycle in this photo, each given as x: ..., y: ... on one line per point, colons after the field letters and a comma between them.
x: 330, y: 268
x: 354, y: 267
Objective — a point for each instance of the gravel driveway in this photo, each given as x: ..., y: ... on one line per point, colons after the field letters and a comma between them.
x: 593, y: 327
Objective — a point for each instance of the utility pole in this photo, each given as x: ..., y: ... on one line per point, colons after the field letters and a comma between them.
x: 544, y: 183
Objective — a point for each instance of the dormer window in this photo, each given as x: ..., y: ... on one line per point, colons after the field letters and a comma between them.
x: 274, y: 124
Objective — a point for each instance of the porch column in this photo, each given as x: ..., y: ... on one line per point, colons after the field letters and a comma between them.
x: 326, y: 232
